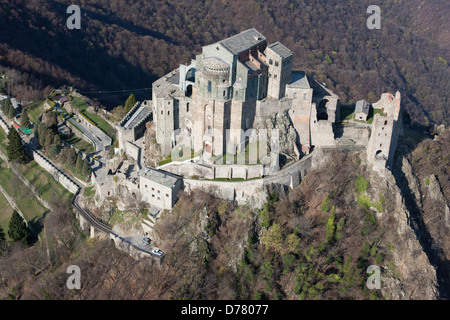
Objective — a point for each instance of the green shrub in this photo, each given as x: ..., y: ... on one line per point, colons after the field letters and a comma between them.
x: 257, y: 296
x: 326, y: 204
x: 361, y: 184
x: 330, y: 227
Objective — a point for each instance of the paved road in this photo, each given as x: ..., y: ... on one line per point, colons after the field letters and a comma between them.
x: 91, y: 219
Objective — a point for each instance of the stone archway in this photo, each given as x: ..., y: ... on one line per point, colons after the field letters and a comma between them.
x: 190, y: 75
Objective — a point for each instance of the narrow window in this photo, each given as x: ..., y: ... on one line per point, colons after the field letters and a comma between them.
x: 209, y: 86
x: 187, y: 107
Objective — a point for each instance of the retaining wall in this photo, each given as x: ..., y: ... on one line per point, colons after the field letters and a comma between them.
x: 254, y: 192
x: 57, y: 174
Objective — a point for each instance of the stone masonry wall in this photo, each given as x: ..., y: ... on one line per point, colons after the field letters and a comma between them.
x: 57, y: 174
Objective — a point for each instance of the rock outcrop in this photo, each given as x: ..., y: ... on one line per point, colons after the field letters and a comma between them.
x: 411, y: 276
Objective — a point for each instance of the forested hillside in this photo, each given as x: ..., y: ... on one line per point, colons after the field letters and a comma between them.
x: 126, y: 44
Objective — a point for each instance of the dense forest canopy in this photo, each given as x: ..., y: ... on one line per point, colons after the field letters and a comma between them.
x: 126, y: 44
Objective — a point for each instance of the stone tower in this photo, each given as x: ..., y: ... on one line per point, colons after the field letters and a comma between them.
x: 279, y: 58
x: 386, y: 128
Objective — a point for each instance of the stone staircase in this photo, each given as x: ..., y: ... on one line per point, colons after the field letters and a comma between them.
x: 149, y: 223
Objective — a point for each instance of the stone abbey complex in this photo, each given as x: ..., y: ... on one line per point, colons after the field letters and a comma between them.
x: 238, y: 118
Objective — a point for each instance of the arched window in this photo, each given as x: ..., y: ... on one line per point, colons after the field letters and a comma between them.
x: 189, y: 90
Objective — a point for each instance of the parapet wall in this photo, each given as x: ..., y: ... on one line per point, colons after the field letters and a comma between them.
x: 254, y: 192
x: 4, y: 125
x: 133, y: 251
x: 57, y: 174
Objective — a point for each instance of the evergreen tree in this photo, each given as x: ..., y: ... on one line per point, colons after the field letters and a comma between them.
x: 131, y: 101
x: 3, y: 105
x: 17, y: 229
x: 16, y: 150
x: 36, y: 127
x: 71, y: 157
x: 49, y: 137
x: 24, y: 120
x: 6, y: 105
x: 53, y: 151
x: 86, y: 171
x: 2, y: 235
x: 11, y: 112
x: 41, y: 133
x: 57, y: 140
x: 2, y: 239
x: 79, y: 164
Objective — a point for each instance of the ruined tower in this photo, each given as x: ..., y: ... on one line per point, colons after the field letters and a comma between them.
x: 386, y: 128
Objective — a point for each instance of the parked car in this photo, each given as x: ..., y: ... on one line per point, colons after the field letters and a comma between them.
x: 157, y: 252
x: 146, y: 240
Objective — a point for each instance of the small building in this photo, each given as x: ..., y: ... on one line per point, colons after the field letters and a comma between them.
x: 362, y: 110
x: 159, y: 188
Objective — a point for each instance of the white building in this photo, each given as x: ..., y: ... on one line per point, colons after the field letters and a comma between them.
x: 159, y: 188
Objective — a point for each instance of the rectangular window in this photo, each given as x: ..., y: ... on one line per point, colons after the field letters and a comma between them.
x: 209, y: 86
x: 276, y: 63
x: 270, y: 61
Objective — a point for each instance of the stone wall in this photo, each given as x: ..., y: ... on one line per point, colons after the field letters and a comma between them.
x: 188, y: 169
x: 133, y: 251
x: 57, y: 174
x: 254, y: 192
x: 4, y: 125
x: 78, y: 133
x: 238, y: 171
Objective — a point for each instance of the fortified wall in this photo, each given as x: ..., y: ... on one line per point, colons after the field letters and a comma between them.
x: 254, y: 192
